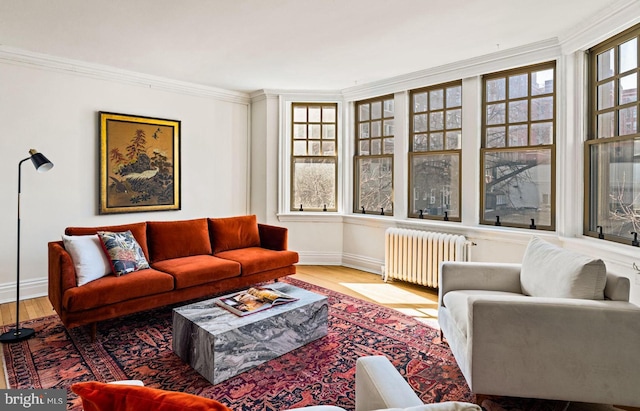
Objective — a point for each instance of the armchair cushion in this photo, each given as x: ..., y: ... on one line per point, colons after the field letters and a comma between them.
x: 458, y: 303
x: 551, y: 271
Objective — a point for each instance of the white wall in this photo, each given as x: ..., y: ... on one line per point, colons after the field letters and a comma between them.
x: 362, y: 243
x: 56, y: 112
x: 317, y: 238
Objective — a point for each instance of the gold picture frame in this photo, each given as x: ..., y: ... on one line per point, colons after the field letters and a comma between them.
x: 139, y: 164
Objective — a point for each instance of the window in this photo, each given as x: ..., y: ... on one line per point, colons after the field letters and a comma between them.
x: 518, y: 148
x: 434, y: 152
x: 612, y: 152
x: 314, y: 160
x: 373, y: 182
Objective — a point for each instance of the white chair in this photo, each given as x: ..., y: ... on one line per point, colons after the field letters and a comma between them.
x: 380, y: 387
x: 557, y: 326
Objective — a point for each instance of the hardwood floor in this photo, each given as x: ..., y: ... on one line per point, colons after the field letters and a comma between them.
x: 29, y: 309
x: 411, y: 299
x: 416, y: 301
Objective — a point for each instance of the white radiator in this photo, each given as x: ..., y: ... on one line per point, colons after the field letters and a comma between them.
x: 414, y: 256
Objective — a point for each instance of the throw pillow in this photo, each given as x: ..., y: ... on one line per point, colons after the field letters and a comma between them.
x: 231, y: 233
x: 551, y: 271
x: 88, y: 257
x: 124, y: 252
x: 98, y: 396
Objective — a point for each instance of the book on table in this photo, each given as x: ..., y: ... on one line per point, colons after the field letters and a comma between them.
x: 253, y: 300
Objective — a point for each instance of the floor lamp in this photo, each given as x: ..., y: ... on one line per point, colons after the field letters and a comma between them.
x: 41, y: 164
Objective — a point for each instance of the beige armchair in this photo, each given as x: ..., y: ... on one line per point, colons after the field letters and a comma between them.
x: 556, y: 326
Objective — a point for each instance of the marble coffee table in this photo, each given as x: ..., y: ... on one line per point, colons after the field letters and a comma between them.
x: 219, y: 344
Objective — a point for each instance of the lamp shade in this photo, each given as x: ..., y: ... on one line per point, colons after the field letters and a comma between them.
x: 40, y: 162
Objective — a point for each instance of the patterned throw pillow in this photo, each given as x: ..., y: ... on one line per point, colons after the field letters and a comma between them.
x: 124, y: 252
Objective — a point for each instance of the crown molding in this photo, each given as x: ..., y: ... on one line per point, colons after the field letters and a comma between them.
x: 616, y: 17
x: 261, y: 95
x: 528, y: 54
x: 10, y: 55
x: 298, y: 95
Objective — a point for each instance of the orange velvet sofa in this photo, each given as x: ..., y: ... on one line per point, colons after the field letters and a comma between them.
x: 189, y: 259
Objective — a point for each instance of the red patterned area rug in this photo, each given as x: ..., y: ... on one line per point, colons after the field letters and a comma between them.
x: 323, y: 372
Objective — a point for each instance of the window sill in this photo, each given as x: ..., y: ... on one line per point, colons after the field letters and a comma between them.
x: 311, y: 217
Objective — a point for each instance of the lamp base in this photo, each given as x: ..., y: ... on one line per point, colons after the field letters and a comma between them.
x: 14, y: 335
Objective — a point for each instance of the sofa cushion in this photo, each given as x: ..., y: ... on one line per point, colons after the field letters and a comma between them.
x: 551, y: 271
x: 123, y: 251
x: 89, y: 259
x: 139, y: 231
x: 458, y: 302
x: 198, y: 269
x: 111, y: 289
x: 98, y: 396
x: 172, y: 239
x: 255, y: 259
x: 231, y: 233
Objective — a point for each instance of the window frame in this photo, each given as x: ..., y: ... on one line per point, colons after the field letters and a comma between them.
x: 293, y: 157
x: 593, y: 141
x: 357, y: 208
x: 429, y: 153
x: 506, y: 74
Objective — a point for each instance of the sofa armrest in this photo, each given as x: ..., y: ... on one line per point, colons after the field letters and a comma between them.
x: 555, y: 348
x: 379, y: 385
x: 457, y: 275
x: 273, y: 237
x: 62, y: 274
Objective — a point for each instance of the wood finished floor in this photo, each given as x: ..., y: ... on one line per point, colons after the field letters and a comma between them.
x: 416, y: 301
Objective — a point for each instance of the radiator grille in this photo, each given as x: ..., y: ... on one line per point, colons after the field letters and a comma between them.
x: 414, y: 256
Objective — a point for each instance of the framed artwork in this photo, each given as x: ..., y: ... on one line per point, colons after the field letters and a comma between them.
x: 139, y: 164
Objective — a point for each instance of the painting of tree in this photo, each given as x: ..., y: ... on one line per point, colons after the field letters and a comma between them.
x: 139, y: 164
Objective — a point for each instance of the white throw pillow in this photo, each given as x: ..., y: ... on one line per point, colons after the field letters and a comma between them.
x: 551, y: 271
x: 89, y: 259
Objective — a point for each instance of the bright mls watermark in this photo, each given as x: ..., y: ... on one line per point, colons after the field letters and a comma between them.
x: 41, y: 400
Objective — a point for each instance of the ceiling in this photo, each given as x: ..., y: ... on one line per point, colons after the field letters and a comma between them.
x: 246, y: 45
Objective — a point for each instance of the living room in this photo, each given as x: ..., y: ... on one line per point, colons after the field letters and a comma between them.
x: 235, y: 139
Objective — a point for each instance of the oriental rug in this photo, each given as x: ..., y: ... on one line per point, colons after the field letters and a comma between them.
x: 323, y: 372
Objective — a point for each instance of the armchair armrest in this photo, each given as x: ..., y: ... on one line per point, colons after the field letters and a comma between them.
x: 568, y: 348
x: 457, y: 275
x: 617, y: 287
x: 273, y: 237
x: 379, y: 385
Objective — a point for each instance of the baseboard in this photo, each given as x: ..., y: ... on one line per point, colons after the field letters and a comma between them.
x: 319, y: 258
x: 371, y: 265
x: 28, y: 289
